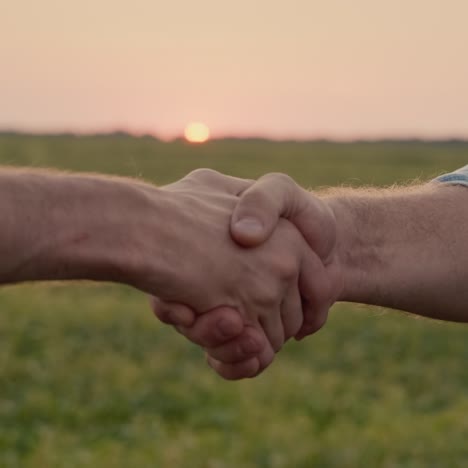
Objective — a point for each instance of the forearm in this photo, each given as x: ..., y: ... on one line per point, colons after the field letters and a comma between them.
x: 405, y: 249
x: 59, y: 226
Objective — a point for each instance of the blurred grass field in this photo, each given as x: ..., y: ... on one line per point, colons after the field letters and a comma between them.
x: 88, y: 378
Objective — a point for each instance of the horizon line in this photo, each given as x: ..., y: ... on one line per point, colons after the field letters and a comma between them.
x: 233, y: 137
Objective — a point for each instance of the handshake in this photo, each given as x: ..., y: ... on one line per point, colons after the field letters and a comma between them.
x: 240, y: 266
x: 245, y: 266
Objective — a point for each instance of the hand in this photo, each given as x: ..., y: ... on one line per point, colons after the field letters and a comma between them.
x: 256, y: 217
x: 233, y: 349
x: 261, y: 283
x: 267, y: 200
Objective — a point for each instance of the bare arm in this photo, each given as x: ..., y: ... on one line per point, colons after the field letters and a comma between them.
x: 405, y: 248
x: 58, y: 226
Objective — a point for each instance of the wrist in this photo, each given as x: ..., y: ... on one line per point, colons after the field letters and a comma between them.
x: 404, y: 248
x: 84, y: 227
x: 124, y: 236
x: 355, y: 255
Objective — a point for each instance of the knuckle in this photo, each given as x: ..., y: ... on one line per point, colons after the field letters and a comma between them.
x: 279, y: 178
x: 203, y: 175
x: 266, y: 297
x: 288, y: 187
x: 284, y: 267
x: 288, y: 268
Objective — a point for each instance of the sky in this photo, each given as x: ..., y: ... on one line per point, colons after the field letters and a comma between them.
x: 341, y: 69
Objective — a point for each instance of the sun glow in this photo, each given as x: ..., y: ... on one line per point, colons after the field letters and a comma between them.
x: 197, y: 132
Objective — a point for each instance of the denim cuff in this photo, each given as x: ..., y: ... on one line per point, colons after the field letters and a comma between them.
x: 458, y: 177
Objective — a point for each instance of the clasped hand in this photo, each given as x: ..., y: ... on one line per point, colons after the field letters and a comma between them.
x: 255, y: 266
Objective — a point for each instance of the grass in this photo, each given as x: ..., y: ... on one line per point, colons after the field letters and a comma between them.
x: 88, y: 378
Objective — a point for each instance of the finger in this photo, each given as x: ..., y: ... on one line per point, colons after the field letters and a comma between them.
x: 292, y: 315
x: 260, y: 207
x: 314, y: 324
x: 172, y: 313
x: 235, y: 371
x: 247, y: 345
x: 316, y: 292
x: 215, y: 327
x: 266, y: 357
x: 277, y: 195
x: 248, y: 368
x: 273, y: 327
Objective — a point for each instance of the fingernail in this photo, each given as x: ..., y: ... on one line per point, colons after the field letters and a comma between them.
x: 225, y: 327
x: 251, y: 226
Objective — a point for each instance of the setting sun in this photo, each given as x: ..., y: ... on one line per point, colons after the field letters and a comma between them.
x: 197, y: 132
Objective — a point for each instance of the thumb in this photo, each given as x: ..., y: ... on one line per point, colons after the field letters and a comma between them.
x: 262, y: 205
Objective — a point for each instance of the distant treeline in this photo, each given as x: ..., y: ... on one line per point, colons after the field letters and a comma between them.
x: 125, y: 134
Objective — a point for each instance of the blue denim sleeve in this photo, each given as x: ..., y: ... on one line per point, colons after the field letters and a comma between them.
x: 458, y: 177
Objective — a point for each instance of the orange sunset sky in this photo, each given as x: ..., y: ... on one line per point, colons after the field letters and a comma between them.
x: 281, y: 69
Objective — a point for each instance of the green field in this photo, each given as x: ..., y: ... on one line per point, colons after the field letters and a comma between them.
x: 89, y: 378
